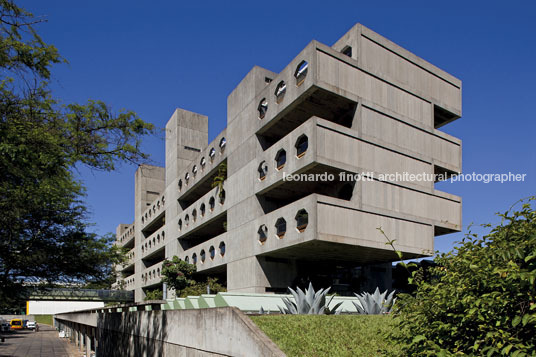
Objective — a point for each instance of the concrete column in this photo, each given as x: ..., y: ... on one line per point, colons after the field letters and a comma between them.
x: 81, y: 341
x: 88, y: 344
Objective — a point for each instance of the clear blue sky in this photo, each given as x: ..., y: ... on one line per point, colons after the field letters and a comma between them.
x: 152, y: 57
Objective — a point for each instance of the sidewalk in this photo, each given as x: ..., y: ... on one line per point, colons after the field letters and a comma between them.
x: 44, y: 343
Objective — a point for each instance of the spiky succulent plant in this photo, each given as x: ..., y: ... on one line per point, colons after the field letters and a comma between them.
x: 309, y: 302
x: 375, y: 304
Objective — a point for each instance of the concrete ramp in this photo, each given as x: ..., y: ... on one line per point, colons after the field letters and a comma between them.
x: 224, y: 331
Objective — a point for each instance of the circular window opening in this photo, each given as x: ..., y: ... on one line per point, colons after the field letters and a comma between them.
x: 194, y: 170
x: 203, y: 162
x: 302, y: 219
x: 301, y: 72
x: 211, y: 154
x: 211, y: 203
x: 262, y: 108
x: 194, y: 258
x: 280, y: 227
x: 186, y: 177
x: 302, y: 144
x: 263, y: 233
x: 280, y: 91
x: 180, y: 185
x: 222, y: 197
x: 180, y: 224
x: 263, y: 170
x: 222, y: 248
x: 194, y: 215
x: 212, y: 252
x: 202, y: 255
x: 223, y: 143
x: 186, y: 220
x: 187, y: 260
x: 202, y: 209
x: 280, y: 159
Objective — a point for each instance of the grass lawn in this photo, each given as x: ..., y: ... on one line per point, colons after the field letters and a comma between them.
x: 329, y: 335
x: 44, y: 319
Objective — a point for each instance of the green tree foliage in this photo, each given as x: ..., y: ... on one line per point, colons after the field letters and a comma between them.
x: 43, y: 225
x: 179, y: 275
x: 200, y: 287
x: 481, y: 297
x: 156, y: 294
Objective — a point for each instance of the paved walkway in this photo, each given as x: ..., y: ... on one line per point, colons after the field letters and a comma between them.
x: 44, y: 343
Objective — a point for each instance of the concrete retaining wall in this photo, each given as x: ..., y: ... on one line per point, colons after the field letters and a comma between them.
x: 201, y: 332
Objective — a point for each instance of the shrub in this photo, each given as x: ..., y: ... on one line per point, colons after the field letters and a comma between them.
x: 155, y: 294
x: 480, y: 299
x: 178, y: 274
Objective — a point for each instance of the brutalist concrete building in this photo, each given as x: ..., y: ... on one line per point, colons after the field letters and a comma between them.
x: 313, y: 161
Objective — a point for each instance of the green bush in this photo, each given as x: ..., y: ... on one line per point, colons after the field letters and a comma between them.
x: 178, y: 274
x: 480, y: 299
x: 156, y: 294
x: 200, y: 287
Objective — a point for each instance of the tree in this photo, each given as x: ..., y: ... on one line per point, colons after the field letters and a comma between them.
x: 480, y: 298
x: 178, y: 274
x: 44, y: 234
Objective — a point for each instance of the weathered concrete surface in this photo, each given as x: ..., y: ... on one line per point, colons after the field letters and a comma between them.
x: 203, y: 332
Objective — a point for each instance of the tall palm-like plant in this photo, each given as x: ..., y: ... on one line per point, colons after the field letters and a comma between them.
x: 220, y: 178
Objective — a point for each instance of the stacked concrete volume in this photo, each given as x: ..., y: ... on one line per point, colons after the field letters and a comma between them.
x: 313, y: 160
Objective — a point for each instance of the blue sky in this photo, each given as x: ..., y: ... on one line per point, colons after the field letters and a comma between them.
x: 154, y: 57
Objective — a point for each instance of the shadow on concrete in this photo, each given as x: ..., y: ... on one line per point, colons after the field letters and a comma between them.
x: 150, y: 325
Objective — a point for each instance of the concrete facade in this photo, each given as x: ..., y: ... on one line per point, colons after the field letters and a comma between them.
x: 363, y: 106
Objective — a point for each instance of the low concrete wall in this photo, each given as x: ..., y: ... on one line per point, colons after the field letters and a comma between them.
x: 24, y: 317
x: 202, y: 332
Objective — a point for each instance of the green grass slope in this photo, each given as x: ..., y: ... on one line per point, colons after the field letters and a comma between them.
x: 329, y: 335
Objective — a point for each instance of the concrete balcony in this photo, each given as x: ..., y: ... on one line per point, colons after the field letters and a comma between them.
x: 339, y: 230
x: 154, y: 243
x: 211, y: 255
x: 334, y: 149
x: 130, y: 282
x: 152, y: 275
x: 153, y: 212
x: 126, y: 239
x: 196, y: 180
x: 131, y: 258
x: 204, y: 219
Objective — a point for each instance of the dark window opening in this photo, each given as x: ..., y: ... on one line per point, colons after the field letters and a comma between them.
x: 263, y: 170
x: 212, y: 252
x: 263, y: 234
x: 280, y: 91
x: 346, y: 192
x: 281, y: 227
x: 280, y: 159
x: 301, y: 145
x: 262, y: 108
x: 222, y: 248
x: 347, y: 50
x: 302, y: 220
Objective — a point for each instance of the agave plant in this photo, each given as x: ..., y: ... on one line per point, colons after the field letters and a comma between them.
x: 309, y: 302
x: 375, y: 304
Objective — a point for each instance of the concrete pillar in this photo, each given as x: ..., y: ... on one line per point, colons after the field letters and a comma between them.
x: 88, y: 344
x: 81, y: 341
x: 76, y: 337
